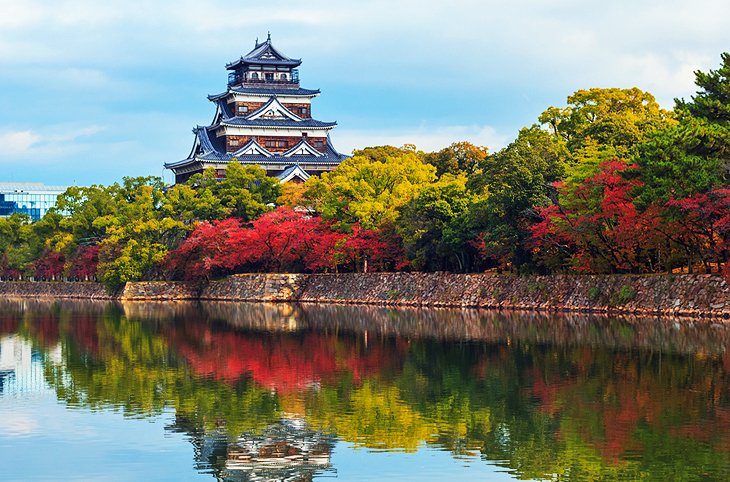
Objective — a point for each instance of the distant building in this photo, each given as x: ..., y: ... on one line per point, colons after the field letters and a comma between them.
x: 21, y: 366
x: 263, y: 118
x: 31, y: 198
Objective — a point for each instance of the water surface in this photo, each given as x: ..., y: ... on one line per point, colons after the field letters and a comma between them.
x: 243, y: 392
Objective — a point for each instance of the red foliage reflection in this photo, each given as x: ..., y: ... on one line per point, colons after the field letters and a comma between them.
x: 284, y: 362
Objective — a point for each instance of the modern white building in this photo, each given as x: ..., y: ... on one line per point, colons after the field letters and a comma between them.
x: 21, y: 368
x: 31, y: 198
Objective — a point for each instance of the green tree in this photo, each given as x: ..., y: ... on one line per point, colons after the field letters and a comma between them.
x: 16, y: 237
x: 694, y: 155
x: 366, y: 191
x: 189, y: 205
x: 246, y: 192
x: 459, y: 157
x: 712, y: 101
x: 382, y: 153
x: 81, y: 207
x: 430, y: 225
x: 620, y: 118
x: 517, y: 179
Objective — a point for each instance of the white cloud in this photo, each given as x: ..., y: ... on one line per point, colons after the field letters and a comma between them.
x: 424, y: 138
x: 487, y: 42
x: 32, y: 145
x: 18, y: 142
x: 666, y: 77
x: 463, y: 63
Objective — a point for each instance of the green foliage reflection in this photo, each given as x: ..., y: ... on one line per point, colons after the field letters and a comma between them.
x: 563, y: 411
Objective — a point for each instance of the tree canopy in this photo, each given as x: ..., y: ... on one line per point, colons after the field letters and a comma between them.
x: 608, y: 182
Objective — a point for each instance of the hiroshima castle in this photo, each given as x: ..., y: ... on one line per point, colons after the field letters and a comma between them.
x: 263, y: 118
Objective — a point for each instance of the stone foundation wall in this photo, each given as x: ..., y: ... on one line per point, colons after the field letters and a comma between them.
x: 54, y: 289
x: 681, y: 295
x: 159, y: 290
x: 257, y: 287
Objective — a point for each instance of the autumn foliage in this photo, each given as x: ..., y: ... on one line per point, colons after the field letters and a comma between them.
x: 610, y: 182
x: 49, y: 266
x: 283, y: 240
x: 85, y: 262
x: 597, y: 227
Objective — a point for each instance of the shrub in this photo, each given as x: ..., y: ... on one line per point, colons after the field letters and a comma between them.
x: 625, y: 294
x: 594, y: 292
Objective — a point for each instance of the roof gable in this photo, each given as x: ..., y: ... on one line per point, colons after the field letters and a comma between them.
x: 265, y: 51
x: 273, y: 109
x: 293, y: 172
x: 302, y: 149
x: 252, y: 148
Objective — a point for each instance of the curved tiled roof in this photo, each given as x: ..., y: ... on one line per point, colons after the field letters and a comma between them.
x: 279, y: 91
x: 278, y: 123
x: 205, y: 150
x: 305, y: 146
x: 253, y: 146
x: 273, y: 104
x: 293, y: 171
x: 264, y: 53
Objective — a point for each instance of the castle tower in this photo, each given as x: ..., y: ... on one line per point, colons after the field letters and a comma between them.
x: 264, y: 118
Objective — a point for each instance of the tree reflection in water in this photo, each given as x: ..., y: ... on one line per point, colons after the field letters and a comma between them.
x: 263, y: 391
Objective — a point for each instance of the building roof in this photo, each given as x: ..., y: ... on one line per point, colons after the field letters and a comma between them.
x: 280, y: 91
x: 252, y: 148
x: 293, y: 171
x: 204, y: 151
x: 273, y: 109
x: 277, y: 123
x: 303, y: 148
x: 264, y: 54
x: 29, y: 187
x: 224, y: 109
x: 210, y: 149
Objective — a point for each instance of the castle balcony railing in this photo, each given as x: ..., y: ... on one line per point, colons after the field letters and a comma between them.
x: 236, y: 79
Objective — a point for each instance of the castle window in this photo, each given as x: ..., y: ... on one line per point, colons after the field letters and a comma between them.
x: 242, y: 109
x: 254, y: 76
x: 276, y: 143
x: 234, y: 142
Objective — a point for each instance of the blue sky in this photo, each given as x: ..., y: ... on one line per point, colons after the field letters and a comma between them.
x: 92, y: 91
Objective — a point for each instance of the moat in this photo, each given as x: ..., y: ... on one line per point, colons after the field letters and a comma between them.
x: 100, y: 390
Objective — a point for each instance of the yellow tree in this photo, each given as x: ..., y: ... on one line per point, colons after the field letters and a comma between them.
x: 366, y: 191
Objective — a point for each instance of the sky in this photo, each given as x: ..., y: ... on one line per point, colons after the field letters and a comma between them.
x: 93, y: 91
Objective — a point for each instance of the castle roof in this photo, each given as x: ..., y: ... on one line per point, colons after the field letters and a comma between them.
x: 279, y: 91
x: 205, y: 151
x: 274, y: 118
x: 264, y: 54
x: 273, y: 109
x: 277, y: 123
x: 292, y: 172
x: 273, y: 114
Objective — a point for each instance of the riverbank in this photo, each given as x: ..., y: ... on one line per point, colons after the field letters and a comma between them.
x: 680, y: 295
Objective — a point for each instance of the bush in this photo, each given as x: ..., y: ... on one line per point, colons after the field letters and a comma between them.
x: 594, y: 292
x: 625, y: 294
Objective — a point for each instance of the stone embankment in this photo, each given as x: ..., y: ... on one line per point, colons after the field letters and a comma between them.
x: 56, y: 290
x: 680, y: 295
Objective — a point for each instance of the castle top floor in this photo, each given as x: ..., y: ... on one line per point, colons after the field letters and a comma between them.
x: 264, y: 66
